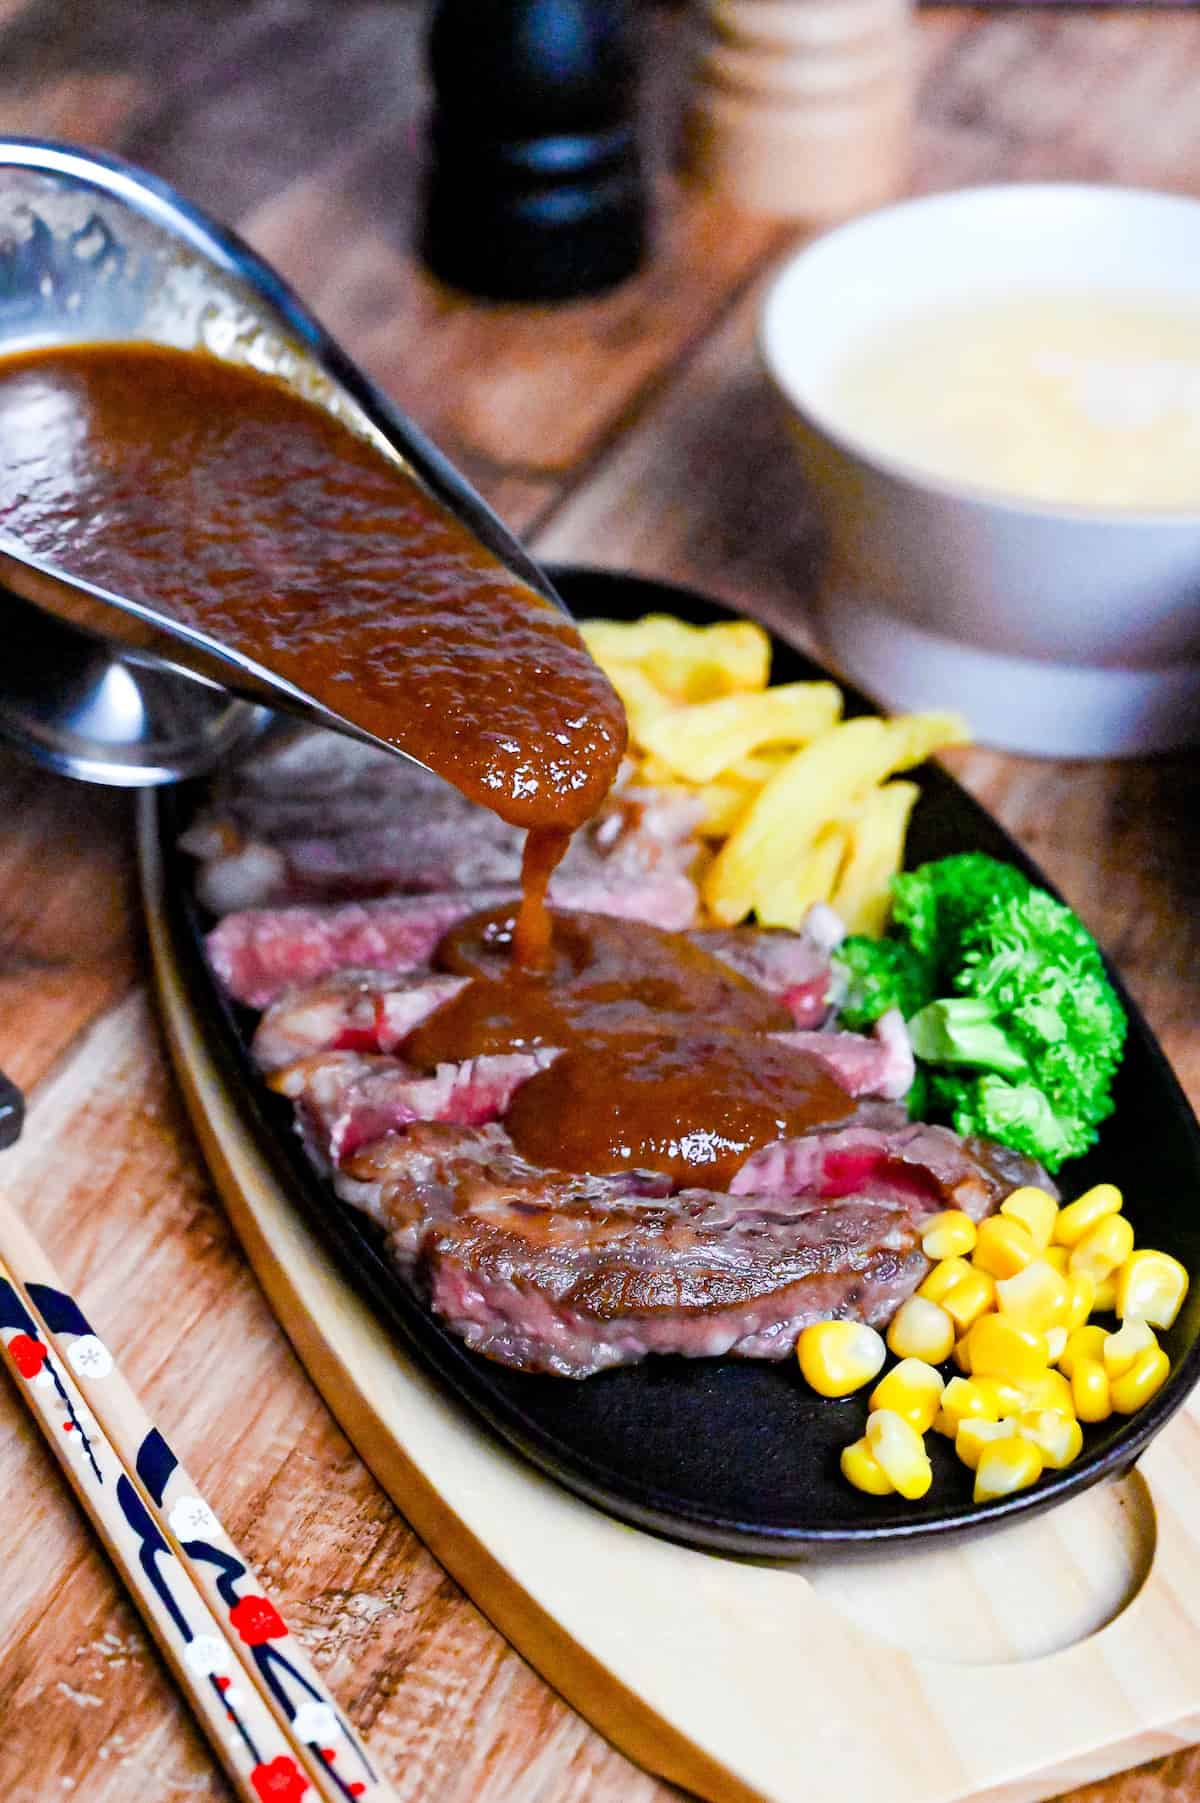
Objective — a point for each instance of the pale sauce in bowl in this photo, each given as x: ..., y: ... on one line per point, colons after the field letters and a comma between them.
x: 1064, y: 399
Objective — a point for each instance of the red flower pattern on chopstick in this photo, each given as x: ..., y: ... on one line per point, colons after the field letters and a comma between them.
x: 279, y: 1781
x: 28, y: 1355
x: 257, y: 1620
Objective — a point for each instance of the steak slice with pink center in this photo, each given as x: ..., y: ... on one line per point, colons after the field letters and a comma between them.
x: 303, y: 821
x: 350, y: 1011
x: 793, y: 966
x: 879, y: 1065
x: 345, y: 1100
x: 259, y: 954
x: 931, y: 1166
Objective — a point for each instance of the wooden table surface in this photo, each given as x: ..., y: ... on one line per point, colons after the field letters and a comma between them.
x: 630, y: 431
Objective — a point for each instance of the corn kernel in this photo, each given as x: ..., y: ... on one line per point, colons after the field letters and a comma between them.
x: 1151, y: 1287
x: 1144, y: 1379
x: 1090, y: 1390
x: 1006, y: 1466
x: 900, y: 1451
x: 974, y: 1434
x: 1058, y: 1437
x: 1103, y: 1249
x: 1003, y: 1247
x: 1036, y: 1211
x: 963, y: 1400
x: 1000, y: 1347
x: 1122, y: 1347
x: 962, y: 1356
x: 1039, y: 1294
x: 1049, y: 1391
x: 1106, y: 1296
x: 1005, y: 1398
x: 1081, y: 1297
x: 949, y: 1234
x: 837, y: 1357
x: 913, y: 1390
x: 921, y: 1329
x: 863, y: 1470
x: 972, y: 1296
x: 945, y: 1274
x: 1080, y: 1216
x: 1087, y: 1342
x: 1056, y: 1256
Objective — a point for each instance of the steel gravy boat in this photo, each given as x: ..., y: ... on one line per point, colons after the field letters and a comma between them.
x: 94, y: 684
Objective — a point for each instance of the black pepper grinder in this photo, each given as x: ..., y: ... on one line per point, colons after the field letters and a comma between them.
x: 534, y: 189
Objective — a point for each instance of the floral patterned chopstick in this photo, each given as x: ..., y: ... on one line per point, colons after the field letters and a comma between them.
x: 243, y: 1731
x: 270, y: 1719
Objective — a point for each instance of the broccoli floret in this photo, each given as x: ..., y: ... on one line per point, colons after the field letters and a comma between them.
x: 1017, y: 1030
x: 1021, y: 1116
x: 1034, y: 1034
x: 963, y: 1030
x: 879, y: 974
x: 933, y: 906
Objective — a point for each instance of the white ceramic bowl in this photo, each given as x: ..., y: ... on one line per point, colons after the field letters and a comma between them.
x: 1060, y: 630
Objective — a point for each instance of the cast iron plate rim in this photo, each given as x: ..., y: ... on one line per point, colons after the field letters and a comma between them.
x: 465, y: 1374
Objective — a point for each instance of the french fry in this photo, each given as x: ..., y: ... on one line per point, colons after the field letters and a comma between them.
x: 700, y: 742
x: 642, y: 700
x: 688, y: 663
x: 724, y: 805
x: 796, y: 805
x: 652, y: 770
x: 861, y: 896
x: 923, y: 734
x: 816, y: 785
x: 753, y: 772
x: 811, y: 878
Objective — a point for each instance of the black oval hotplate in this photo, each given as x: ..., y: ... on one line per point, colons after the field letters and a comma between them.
x: 726, y: 1453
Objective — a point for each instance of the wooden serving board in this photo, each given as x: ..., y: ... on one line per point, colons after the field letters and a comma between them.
x: 1007, y: 1668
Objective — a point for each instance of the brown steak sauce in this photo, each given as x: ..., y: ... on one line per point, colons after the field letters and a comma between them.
x: 666, y: 1061
x: 216, y: 495
x: 235, y: 506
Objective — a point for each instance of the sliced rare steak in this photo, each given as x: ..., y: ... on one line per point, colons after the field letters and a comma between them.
x: 260, y: 953
x: 307, y: 822
x: 793, y: 966
x: 371, y: 1006
x: 880, y: 1064
x: 269, y: 954
x: 930, y: 1165
x: 345, y: 1100
x: 349, y: 1011
x: 574, y: 1275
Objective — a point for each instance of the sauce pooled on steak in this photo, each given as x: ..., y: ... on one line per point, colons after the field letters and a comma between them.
x: 666, y: 1060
